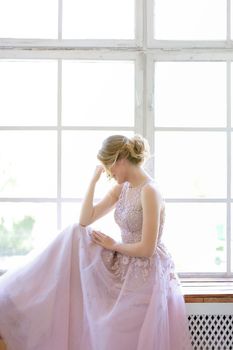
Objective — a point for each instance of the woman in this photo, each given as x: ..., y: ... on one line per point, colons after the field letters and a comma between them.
x: 86, y: 291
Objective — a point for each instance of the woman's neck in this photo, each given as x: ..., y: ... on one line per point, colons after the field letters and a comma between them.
x: 137, y: 176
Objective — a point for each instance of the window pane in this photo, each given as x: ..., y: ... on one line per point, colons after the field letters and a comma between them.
x: 106, y: 224
x: 70, y: 213
x: 98, y: 93
x: 190, y: 20
x: 29, y: 19
x: 190, y: 94
x: 24, y: 228
x: 195, y: 234
x: 28, y: 91
x: 231, y: 21
x: 231, y: 239
x: 79, y: 161
x: 191, y: 164
x: 231, y: 165
x: 28, y: 163
x: 90, y: 19
x: 231, y: 93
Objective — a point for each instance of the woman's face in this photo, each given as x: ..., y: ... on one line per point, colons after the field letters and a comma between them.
x: 118, y: 171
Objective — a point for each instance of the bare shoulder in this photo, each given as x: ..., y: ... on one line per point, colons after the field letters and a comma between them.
x: 116, y: 190
x: 150, y: 192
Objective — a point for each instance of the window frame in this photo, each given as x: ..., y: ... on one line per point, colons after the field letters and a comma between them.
x: 183, y: 44
x: 144, y: 51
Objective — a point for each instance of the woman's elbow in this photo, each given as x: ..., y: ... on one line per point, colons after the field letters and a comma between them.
x: 81, y: 224
x: 84, y: 221
x: 148, y: 252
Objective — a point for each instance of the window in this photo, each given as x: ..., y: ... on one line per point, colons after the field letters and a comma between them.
x: 159, y: 68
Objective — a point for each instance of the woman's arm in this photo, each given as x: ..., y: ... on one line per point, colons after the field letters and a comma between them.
x: 131, y: 249
x: 151, y: 205
x: 87, y: 205
x: 89, y: 212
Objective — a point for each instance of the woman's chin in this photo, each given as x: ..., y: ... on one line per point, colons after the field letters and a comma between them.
x: 119, y: 181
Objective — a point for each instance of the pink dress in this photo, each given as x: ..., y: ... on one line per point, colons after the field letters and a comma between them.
x: 77, y: 295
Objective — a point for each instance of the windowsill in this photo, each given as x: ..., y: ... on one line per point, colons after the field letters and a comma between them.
x: 211, y: 290
x: 203, y: 290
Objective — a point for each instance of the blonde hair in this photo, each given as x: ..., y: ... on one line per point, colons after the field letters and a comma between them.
x: 136, y: 149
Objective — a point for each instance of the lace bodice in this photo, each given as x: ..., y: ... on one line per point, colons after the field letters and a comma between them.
x: 128, y: 213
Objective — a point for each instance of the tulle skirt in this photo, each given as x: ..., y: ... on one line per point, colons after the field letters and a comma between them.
x: 66, y: 298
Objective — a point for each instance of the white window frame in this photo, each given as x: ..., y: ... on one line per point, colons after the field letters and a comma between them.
x: 182, y: 44
x: 144, y: 51
x: 197, y: 56
x: 82, y: 43
x: 80, y: 55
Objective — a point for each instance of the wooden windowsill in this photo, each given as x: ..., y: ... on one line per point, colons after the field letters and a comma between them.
x: 207, y: 290
x: 2, y: 345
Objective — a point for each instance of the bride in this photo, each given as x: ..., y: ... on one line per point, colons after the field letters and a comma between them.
x: 85, y: 291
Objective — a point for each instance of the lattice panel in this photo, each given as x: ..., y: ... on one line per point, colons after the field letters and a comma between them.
x: 211, y: 332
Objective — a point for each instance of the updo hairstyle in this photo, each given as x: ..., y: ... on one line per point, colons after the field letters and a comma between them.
x: 136, y: 149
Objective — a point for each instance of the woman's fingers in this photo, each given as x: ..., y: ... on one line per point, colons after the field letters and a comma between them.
x: 96, y: 236
x: 98, y: 233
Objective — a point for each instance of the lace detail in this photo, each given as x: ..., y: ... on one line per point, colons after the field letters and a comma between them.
x: 173, y: 277
x: 123, y: 265
x: 128, y: 215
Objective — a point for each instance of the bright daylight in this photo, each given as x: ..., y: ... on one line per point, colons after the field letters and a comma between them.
x: 116, y: 174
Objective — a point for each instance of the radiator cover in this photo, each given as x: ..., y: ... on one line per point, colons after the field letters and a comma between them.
x: 211, y: 325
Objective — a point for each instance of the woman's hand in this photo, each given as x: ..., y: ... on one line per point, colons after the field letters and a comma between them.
x: 97, y: 173
x: 103, y: 240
